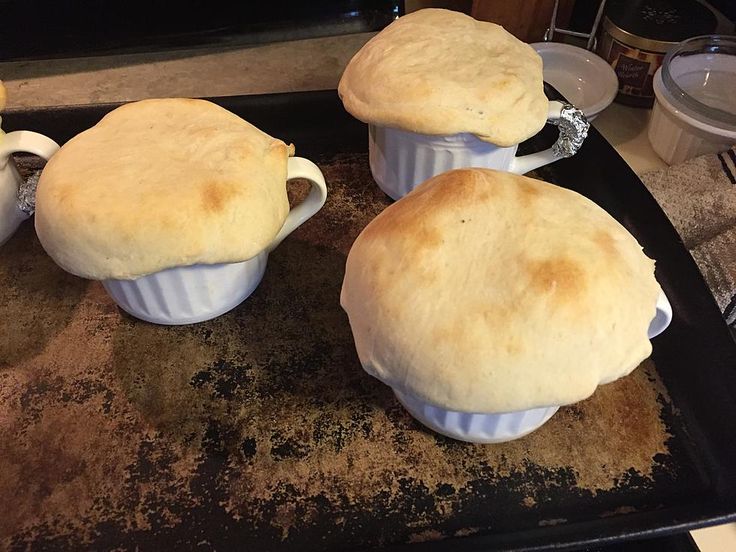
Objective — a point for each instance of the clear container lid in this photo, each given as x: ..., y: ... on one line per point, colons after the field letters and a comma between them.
x: 699, y: 76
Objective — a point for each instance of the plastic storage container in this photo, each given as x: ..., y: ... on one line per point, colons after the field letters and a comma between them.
x: 695, y: 108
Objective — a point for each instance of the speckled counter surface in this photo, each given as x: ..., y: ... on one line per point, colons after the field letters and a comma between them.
x: 259, y: 429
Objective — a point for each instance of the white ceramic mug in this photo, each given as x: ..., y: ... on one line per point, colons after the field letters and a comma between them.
x: 662, y: 318
x: 478, y: 427
x: 401, y: 160
x: 189, y: 294
x: 12, y: 212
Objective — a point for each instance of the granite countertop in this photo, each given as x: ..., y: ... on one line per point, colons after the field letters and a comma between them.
x: 310, y: 64
x: 292, y: 66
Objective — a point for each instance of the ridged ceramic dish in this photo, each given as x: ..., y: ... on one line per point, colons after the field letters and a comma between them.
x: 401, y: 160
x: 189, y: 294
x: 477, y: 427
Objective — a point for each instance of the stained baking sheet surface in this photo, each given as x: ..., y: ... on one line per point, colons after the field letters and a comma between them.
x: 259, y: 428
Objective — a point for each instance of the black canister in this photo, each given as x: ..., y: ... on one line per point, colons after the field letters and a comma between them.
x: 636, y: 35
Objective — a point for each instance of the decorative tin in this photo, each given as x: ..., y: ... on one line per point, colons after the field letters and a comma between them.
x: 636, y: 36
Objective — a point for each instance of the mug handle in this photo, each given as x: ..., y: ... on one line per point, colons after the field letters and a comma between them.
x: 18, y: 208
x: 298, y: 167
x: 573, y: 128
x: 662, y: 318
x: 28, y: 142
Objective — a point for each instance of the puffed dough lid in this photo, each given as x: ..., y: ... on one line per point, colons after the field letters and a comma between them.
x: 484, y: 291
x: 3, y: 96
x: 440, y: 72
x: 158, y: 184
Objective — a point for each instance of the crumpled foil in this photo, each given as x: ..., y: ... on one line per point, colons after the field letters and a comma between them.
x: 573, y: 130
x: 27, y: 194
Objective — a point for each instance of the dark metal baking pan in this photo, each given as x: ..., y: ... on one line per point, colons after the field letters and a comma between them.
x: 259, y: 430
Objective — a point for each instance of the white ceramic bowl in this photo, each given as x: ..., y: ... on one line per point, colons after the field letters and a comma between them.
x: 401, y: 160
x: 695, y: 105
x: 586, y: 80
x: 478, y: 427
x: 189, y: 294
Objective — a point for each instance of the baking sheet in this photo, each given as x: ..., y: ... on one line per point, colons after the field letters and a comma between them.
x: 260, y: 430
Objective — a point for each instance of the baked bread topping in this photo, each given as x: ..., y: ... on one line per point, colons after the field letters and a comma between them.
x: 3, y: 96
x: 488, y: 292
x: 441, y: 72
x: 162, y: 183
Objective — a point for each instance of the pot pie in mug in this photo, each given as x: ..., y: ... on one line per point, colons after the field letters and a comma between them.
x: 487, y: 292
x: 175, y: 204
x: 440, y: 72
x: 158, y: 184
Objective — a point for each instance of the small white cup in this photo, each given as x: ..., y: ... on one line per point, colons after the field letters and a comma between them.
x: 401, y: 160
x: 189, y: 294
x: 484, y: 428
x: 12, y: 213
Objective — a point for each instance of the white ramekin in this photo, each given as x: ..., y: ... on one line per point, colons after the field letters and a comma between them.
x: 401, y: 160
x: 478, y: 427
x: 188, y: 294
x: 195, y: 293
